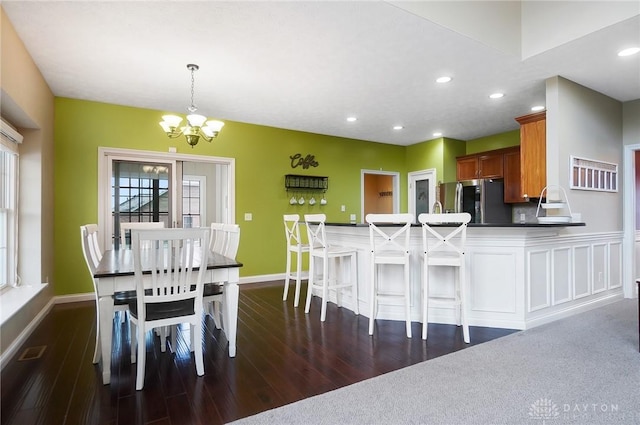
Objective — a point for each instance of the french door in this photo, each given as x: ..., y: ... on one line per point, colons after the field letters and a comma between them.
x: 176, y: 189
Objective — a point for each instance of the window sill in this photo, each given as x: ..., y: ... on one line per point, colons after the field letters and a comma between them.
x: 13, y: 299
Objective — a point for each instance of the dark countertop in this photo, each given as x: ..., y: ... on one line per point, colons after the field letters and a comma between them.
x: 480, y: 225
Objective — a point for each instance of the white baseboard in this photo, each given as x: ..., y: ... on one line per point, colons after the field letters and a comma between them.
x: 26, y: 332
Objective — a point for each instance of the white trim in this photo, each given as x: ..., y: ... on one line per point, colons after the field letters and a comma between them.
x: 16, y: 344
x: 629, y: 221
x: 106, y: 157
x: 396, y: 189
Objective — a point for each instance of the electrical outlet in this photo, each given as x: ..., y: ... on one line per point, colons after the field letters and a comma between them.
x: 248, y: 216
x: 352, y: 217
x: 343, y: 208
x: 599, y: 277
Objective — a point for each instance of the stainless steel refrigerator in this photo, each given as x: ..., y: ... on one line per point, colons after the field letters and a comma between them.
x: 482, y: 198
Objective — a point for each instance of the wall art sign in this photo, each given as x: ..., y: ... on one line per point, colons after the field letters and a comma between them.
x: 308, y: 161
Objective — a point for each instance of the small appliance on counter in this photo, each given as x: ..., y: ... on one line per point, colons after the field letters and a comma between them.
x: 482, y: 198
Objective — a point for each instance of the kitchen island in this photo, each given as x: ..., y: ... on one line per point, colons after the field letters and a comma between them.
x: 518, y: 275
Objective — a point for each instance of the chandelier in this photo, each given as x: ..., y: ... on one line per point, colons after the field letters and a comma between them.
x: 196, y: 126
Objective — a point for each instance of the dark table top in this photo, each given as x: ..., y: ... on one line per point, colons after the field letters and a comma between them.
x: 120, y: 263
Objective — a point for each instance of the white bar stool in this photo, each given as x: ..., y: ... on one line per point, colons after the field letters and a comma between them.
x: 294, y: 245
x: 389, y: 246
x: 448, y: 251
x: 332, y: 258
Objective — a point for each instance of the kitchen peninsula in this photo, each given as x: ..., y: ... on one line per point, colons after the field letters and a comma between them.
x: 518, y: 275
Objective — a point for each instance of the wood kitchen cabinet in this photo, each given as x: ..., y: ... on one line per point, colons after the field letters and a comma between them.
x: 485, y: 165
x: 533, y: 154
x: 512, y: 179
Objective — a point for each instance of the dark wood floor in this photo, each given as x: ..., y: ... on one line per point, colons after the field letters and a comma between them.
x: 283, y: 356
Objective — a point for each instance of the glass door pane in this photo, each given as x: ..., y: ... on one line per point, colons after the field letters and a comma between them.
x: 140, y: 192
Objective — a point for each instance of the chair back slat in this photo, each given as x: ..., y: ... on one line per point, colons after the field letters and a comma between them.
x: 453, y: 241
x: 232, y: 232
x: 124, y: 227
x: 292, y: 230
x: 389, y: 240
x: 315, y: 231
x: 171, y: 255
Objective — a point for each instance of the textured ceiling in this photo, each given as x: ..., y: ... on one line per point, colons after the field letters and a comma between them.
x: 308, y: 65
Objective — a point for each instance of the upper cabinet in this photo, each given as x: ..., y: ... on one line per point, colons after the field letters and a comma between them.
x: 512, y: 179
x: 533, y: 154
x: 485, y: 165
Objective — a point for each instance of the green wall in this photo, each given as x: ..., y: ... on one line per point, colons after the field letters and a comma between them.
x: 262, y: 159
x: 496, y: 141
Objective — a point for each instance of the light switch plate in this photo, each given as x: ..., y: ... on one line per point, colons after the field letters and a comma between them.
x: 248, y: 216
x: 343, y: 208
x: 352, y: 217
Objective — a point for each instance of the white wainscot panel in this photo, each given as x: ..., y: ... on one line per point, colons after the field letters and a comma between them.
x: 615, y: 265
x: 493, y: 278
x: 581, y: 268
x: 599, y: 267
x: 538, y: 277
x: 561, y: 284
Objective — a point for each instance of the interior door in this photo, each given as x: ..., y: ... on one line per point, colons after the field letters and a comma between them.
x: 422, y: 191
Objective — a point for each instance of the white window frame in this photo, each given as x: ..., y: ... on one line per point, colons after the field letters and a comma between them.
x: 202, y: 195
x: 8, y: 218
x: 106, y: 157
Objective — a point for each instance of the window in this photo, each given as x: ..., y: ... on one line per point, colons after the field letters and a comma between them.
x: 8, y: 216
x: 193, y: 202
x: 139, y: 194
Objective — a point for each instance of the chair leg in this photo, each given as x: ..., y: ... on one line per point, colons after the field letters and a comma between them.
x: 353, y: 264
x: 463, y: 296
x: 287, y: 276
x: 163, y: 339
x: 325, y: 290
x: 373, y: 297
x: 296, y: 299
x: 174, y: 337
x: 196, y: 346
x: 425, y: 301
x: 310, y: 285
x: 141, y: 357
x: 97, y: 352
x: 407, y: 299
x: 133, y: 331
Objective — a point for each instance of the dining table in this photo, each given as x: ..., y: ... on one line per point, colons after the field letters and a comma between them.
x: 115, y: 273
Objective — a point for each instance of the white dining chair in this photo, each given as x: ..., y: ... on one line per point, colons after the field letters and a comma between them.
x: 127, y: 227
x: 297, y: 247
x: 445, y: 247
x: 92, y: 256
x: 389, y: 245
x: 330, y: 276
x: 229, y: 235
x: 174, y: 295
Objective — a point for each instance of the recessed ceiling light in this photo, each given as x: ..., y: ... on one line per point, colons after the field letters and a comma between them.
x: 537, y: 108
x: 443, y: 80
x: 397, y: 127
x: 496, y: 95
x: 437, y: 134
x: 352, y: 119
x: 628, y: 52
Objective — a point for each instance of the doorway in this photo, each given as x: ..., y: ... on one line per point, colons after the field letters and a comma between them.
x: 180, y: 190
x: 631, y: 213
x: 380, y: 193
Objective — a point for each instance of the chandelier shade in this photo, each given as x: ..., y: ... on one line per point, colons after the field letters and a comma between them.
x: 197, y: 125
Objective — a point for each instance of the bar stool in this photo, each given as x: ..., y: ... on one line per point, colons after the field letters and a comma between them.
x: 294, y: 245
x: 389, y: 246
x: 332, y: 258
x: 448, y: 251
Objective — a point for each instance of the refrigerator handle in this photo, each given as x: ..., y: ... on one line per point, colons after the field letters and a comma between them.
x: 458, y: 204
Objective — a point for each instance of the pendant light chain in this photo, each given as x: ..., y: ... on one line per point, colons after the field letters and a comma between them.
x: 193, y: 107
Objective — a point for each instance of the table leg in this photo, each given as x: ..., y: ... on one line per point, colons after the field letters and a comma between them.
x: 231, y: 294
x: 106, y: 335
